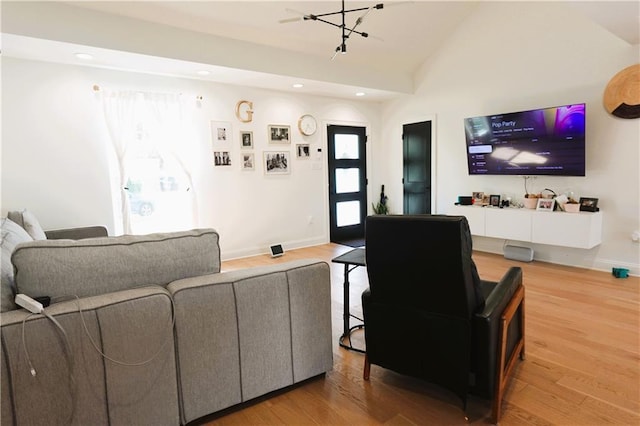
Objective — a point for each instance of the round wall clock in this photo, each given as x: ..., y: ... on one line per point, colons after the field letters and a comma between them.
x: 307, y: 125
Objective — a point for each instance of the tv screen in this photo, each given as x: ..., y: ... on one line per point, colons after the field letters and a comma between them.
x: 547, y: 141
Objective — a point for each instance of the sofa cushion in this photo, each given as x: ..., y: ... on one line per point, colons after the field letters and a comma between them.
x: 95, y: 266
x: 28, y: 221
x: 131, y: 326
x: 244, y: 333
x: 12, y: 235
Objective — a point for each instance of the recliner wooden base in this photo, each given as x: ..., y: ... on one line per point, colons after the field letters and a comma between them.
x: 515, y: 306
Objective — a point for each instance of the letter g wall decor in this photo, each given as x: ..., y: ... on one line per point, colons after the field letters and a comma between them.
x: 244, y: 111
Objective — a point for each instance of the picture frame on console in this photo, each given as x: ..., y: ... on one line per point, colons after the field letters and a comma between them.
x: 494, y: 200
x: 477, y: 197
x: 588, y: 204
x: 546, y: 204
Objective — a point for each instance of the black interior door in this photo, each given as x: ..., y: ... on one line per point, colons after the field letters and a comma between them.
x: 416, y: 179
x: 347, y: 184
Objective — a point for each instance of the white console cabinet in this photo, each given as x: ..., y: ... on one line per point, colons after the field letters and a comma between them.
x: 579, y: 230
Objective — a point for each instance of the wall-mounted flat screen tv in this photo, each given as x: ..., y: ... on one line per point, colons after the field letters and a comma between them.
x: 546, y: 141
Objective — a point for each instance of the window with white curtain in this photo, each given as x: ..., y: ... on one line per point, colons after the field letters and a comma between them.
x: 154, y: 147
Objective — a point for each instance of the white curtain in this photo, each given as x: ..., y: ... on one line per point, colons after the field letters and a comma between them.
x: 174, y: 136
x: 158, y: 119
x: 120, y: 115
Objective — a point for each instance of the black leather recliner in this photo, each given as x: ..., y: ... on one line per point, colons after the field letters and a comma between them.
x: 428, y: 315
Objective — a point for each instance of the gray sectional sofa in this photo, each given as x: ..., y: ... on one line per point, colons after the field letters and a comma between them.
x: 152, y: 333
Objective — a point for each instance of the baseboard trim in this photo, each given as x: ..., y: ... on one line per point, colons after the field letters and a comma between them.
x: 591, y: 261
x: 259, y: 250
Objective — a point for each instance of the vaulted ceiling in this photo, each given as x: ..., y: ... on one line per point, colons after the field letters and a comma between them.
x: 246, y: 42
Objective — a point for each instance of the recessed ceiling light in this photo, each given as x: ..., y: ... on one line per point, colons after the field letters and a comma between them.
x: 84, y: 56
x: 298, y: 85
x: 203, y: 72
x: 360, y: 93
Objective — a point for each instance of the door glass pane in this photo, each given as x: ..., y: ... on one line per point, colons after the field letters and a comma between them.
x: 347, y: 180
x: 346, y: 147
x: 348, y: 213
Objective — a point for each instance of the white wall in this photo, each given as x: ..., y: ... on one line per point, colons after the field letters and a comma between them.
x: 514, y: 56
x: 505, y: 57
x: 55, y: 154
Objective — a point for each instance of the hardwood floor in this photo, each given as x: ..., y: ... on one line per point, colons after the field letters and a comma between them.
x: 581, y: 368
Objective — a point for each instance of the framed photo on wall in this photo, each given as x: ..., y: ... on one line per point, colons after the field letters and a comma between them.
x: 279, y: 133
x: 303, y: 150
x: 221, y: 158
x: 277, y: 162
x: 248, y: 161
x: 246, y: 139
x: 220, y: 132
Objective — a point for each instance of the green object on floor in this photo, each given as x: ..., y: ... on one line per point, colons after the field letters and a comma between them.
x: 620, y: 272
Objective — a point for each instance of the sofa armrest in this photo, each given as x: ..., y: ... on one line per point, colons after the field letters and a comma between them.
x: 77, y: 233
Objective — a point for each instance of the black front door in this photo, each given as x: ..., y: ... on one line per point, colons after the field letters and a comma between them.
x: 416, y: 179
x: 347, y: 183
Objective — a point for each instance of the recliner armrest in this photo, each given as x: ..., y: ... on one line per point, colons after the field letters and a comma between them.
x: 77, y: 233
x: 484, y: 363
x: 501, y: 294
x: 366, y: 294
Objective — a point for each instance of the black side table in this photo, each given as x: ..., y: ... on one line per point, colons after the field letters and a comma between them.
x: 351, y: 260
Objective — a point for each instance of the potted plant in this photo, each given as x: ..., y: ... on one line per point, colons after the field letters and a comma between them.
x: 531, y: 200
x: 381, y: 206
x: 571, y: 206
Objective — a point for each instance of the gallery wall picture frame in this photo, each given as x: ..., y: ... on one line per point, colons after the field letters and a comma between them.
x: 279, y: 134
x: 588, y: 204
x: 546, y: 204
x: 248, y: 161
x: 277, y: 162
x: 246, y: 139
x: 303, y: 150
x: 220, y: 132
x: 221, y: 158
